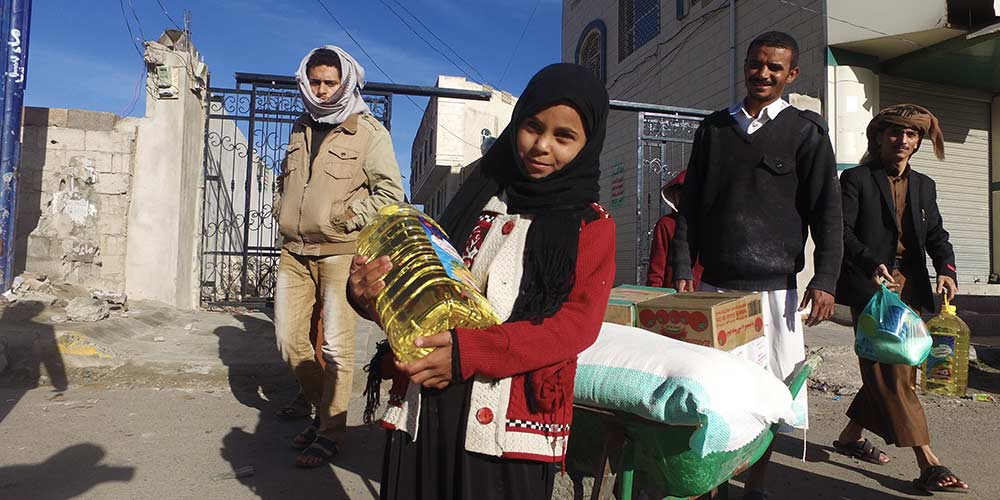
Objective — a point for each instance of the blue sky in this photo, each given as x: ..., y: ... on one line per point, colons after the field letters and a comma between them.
x: 81, y: 55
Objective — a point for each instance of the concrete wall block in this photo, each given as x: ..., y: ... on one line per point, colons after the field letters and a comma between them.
x: 113, y: 205
x: 109, y: 183
x: 109, y: 224
x: 85, y: 275
x: 110, y: 142
x: 54, y: 161
x: 121, y: 164
x: 39, y: 247
x: 45, y: 117
x: 64, y: 138
x: 51, y: 268
x: 91, y: 120
x: 32, y: 163
x: 112, y: 246
x: 33, y: 137
x: 100, y: 161
x: 114, y: 282
x: 114, y: 266
x: 78, y: 250
x: 128, y: 125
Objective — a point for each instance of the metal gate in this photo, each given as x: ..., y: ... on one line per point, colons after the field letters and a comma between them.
x: 245, y: 141
x: 664, y: 148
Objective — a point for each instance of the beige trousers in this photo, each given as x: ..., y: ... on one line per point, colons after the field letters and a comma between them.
x: 301, y: 280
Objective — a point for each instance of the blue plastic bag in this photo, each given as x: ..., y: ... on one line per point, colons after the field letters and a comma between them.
x: 889, y: 331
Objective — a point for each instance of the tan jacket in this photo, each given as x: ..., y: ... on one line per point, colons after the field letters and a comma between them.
x: 323, y: 205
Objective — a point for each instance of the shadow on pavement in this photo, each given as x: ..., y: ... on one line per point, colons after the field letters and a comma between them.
x: 984, y: 376
x: 67, y: 474
x: 27, y: 347
x: 257, y: 374
x: 815, y: 487
x: 811, y: 485
x: 268, y: 449
x: 259, y: 379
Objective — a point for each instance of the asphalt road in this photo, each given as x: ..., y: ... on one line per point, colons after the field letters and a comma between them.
x: 117, y: 442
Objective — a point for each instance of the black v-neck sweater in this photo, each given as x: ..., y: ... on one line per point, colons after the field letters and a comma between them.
x: 749, y: 202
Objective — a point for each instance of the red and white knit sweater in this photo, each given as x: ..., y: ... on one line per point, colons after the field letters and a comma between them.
x: 510, y: 359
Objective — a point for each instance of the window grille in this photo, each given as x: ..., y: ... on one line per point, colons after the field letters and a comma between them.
x: 639, y: 22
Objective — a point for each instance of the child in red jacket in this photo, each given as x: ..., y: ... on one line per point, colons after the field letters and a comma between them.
x: 486, y: 415
x: 659, y: 273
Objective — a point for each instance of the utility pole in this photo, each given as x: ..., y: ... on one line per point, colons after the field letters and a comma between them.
x: 14, y: 57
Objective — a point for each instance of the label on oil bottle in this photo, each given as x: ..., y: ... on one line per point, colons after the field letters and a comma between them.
x: 450, y: 260
x: 939, y: 362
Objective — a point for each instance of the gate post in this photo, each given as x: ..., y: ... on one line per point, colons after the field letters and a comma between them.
x: 164, y: 223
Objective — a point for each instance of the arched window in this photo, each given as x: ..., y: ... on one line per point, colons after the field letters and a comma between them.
x: 591, y: 49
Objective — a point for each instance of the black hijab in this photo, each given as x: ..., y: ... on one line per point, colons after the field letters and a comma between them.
x: 557, y: 203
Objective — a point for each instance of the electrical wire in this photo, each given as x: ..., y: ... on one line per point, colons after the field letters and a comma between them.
x: 137, y: 23
x: 128, y: 26
x: 449, y: 47
x: 135, y: 94
x: 421, y: 37
x: 700, y: 20
x: 355, y: 40
x: 518, y: 44
x: 849, y: 23
x: 165, y: 13
x: 384, y: 72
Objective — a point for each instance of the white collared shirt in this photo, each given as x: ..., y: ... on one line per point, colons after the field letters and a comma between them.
x: 750, y: 124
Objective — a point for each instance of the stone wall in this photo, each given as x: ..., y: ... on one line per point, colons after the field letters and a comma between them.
x: 73, y: 196
x: 115, y: 204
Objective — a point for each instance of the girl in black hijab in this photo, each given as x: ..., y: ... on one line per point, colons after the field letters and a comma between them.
x: 487, y: 413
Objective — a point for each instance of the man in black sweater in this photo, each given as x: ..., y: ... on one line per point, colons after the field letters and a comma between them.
x: 762, y: 175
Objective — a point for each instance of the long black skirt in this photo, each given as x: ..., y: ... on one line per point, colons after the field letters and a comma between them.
x: 437, y: 467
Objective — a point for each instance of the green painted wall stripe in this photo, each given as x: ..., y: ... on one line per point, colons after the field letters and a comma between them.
x: 845, y: 166
x: 995, y: 186
x: 840, y: 57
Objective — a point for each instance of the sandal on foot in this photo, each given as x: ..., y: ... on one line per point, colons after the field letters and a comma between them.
x: 305, y: 438
x: 323, y: 449
x: 930, y: 480
x: 861, y: 450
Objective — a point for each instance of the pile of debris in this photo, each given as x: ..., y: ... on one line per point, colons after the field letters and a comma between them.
x: 65, y: 301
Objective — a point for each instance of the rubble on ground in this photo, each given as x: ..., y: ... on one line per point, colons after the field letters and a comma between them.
x: 838, y: 373
x: 64, y: 301
x: 87, y: 309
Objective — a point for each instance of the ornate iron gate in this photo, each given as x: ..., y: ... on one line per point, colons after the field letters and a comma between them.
x: 245, y: 141
x: 664, y: 148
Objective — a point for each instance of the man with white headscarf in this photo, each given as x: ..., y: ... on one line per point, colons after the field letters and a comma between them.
x: 340, y: 168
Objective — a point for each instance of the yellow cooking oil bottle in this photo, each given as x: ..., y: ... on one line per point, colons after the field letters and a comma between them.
x: 429, y: 289
x: 946, y: 370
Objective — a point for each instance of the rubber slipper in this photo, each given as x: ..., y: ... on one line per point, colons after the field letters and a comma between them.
x: 861, y: 450
x: 931, y: 477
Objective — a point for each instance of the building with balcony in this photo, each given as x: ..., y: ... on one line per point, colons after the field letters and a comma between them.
x: 453, y: 134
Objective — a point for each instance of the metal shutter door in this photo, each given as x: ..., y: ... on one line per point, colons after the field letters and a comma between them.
x: 963, y: 177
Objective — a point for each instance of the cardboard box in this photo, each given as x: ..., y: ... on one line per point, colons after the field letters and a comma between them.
x: 621, y: 304
x: 720, y: 320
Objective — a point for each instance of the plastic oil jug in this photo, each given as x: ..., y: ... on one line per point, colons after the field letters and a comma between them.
x: 429, y: 289
x: 946, y: 370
